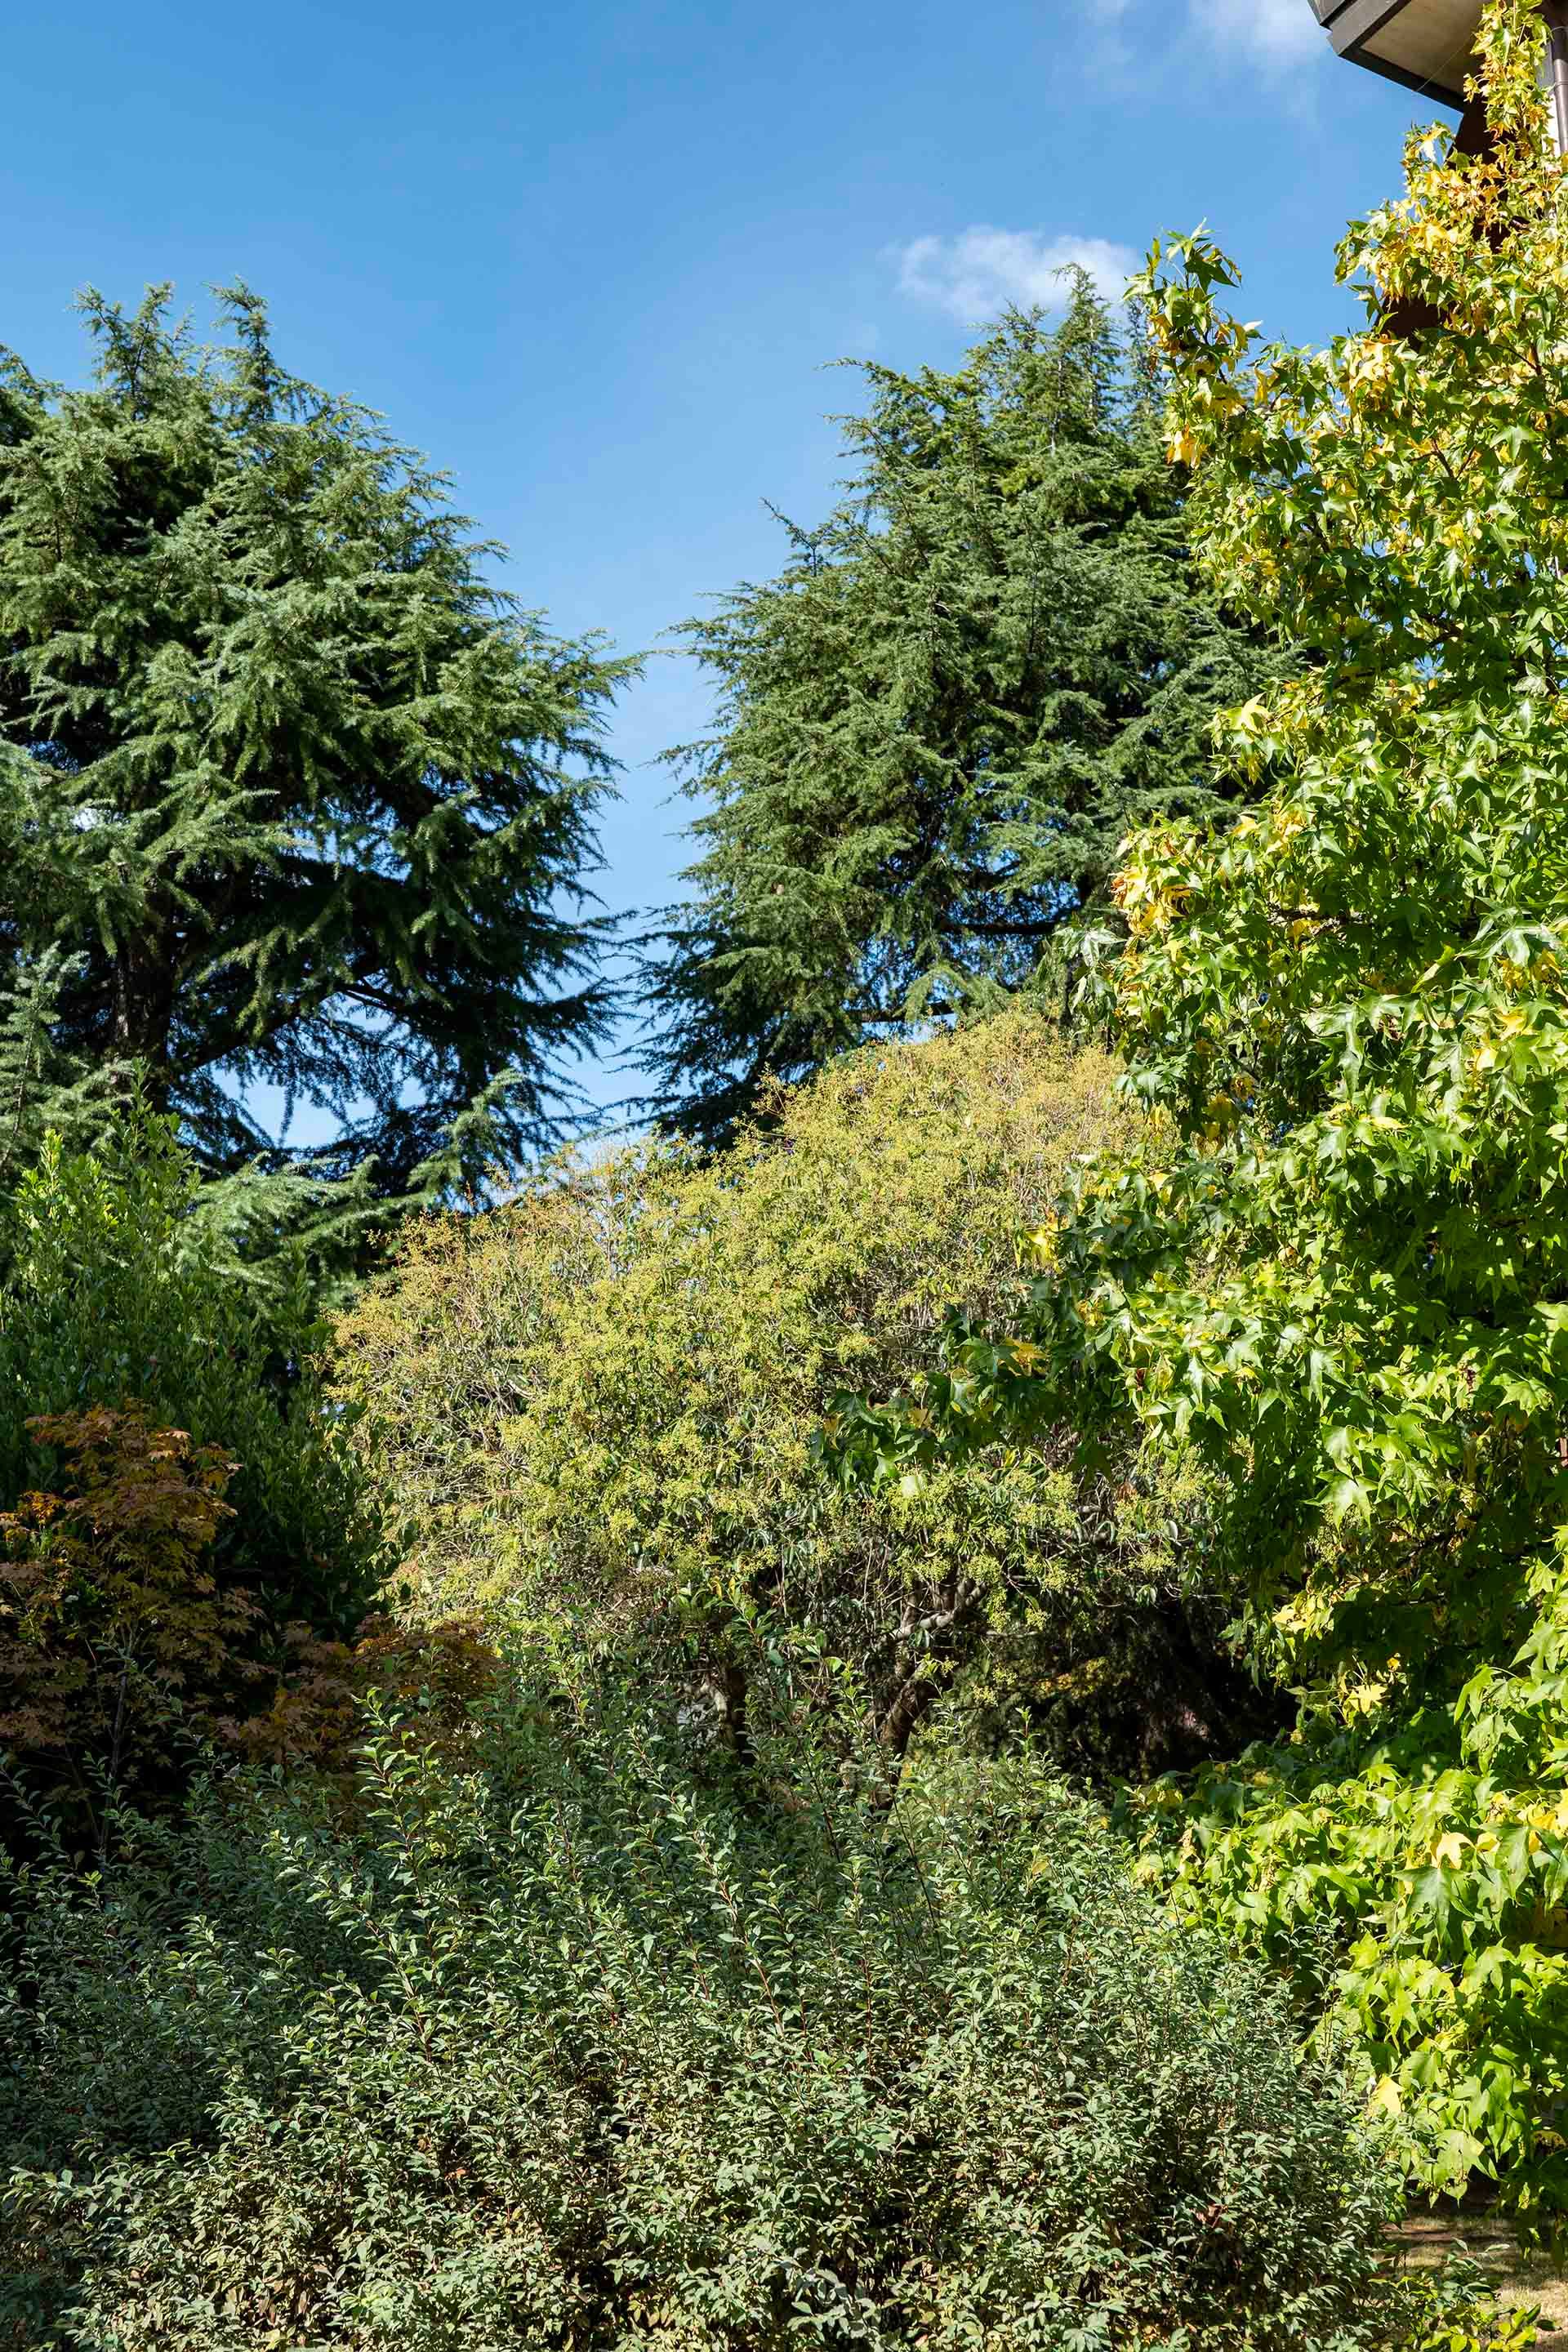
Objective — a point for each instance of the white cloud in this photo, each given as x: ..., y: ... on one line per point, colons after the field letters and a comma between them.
x: 1108, y: 52
x: 1272, y: 33
x: 1277, y: 32
x: 978, y: 272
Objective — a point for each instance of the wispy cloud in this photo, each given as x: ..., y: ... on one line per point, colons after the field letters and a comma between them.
x: 978, y: 272
x: 1272, y: 33
x: 1275, y: 32
x: 1109, y: 50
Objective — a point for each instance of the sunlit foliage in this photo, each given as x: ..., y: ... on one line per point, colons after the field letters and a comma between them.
x: 596, y: 1410
x: 1336, y: 1268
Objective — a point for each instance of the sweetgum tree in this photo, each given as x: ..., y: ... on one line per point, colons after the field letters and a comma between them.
x: 290, y: 797
x: 1339, y: 1265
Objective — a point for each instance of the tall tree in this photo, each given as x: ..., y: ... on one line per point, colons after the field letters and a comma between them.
x: 937, y: 723
x: 290, y: 796
x: 1338, y: 1264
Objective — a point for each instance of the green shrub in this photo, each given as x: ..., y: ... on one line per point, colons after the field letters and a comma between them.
x: 1421, y: 1901
x: 116, y: 1291
x: 596, y: 1407
x: 572, y: 2050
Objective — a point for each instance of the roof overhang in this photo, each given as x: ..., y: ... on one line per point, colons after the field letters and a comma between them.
x: 1428, y: 45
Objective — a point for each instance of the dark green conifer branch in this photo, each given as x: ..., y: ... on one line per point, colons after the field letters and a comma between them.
x: 938, y: 722
x: 290, y: 796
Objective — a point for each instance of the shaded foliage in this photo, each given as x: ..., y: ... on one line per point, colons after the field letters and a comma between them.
x: 128, y: 1654
x: 435, y: 1677
x: 572, y: 2050
x: 114, y: 1634
x: 117, y: 1290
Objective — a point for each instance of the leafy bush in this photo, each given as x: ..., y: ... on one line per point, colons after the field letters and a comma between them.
x: 110, y: 1624
x: 442, y: 1672
x: 122, y: 1651
x: 117, y: 1290
x: 574, y: 2051
x: 598, y: 1406
x: 1423, y: 1903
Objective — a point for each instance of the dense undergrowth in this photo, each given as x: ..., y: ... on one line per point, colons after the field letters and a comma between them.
x: 178, y: 1512
x: 943, y: 1728
x: 599, y: 1974
x: 580, y: 2046
x: 115, y: 1287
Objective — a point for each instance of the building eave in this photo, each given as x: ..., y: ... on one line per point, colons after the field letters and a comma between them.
x: 1350, y: 24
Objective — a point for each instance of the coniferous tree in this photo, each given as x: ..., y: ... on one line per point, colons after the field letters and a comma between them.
x: 937, y: 723
x: 290, y: 796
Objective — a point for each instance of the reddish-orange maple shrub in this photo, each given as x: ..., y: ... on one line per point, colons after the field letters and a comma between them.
x: 123, y: 1653
x: 114, y: 1634
x: 431, y: 1677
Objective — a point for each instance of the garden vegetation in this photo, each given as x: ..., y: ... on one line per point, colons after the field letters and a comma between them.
x: 921, y: 1708
x: 596, y: 1413
x: 1333, y: 1265
x: 290, y: 797
x: 574, y: 2049
x: 935, y: 726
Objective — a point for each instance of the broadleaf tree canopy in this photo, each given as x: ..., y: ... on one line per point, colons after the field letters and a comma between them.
x: 936, y: 724
x: 291, y: 797
x: 1337, y: 1265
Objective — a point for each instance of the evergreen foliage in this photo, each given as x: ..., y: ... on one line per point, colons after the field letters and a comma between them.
x: 1336, y: 1265
x: 937, y: 723
x: 289, y: 796
x: 594, y: 1413
x: 676, y: 1949
x: 118, y: 1291
x: 41, y: 1092
x: 572, y: 2050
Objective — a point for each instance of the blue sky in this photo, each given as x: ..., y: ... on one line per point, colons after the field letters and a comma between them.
x: 594, y: 258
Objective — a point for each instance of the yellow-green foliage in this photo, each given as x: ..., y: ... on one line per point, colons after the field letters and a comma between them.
x: 602, y: 1397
